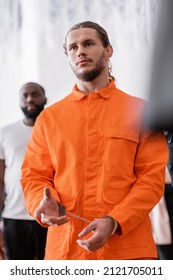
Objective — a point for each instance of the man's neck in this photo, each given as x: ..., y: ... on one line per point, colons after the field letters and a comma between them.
x: 29, y: 122
x: 92, y: 86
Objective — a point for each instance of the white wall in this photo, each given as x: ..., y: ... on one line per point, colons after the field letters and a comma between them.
x: 49, y: 65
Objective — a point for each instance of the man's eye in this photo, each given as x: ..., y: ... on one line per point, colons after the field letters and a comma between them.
x: 73, y: 48
x: 89, y: 44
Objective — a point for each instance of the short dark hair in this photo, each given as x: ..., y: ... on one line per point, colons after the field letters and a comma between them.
x: 36, y: 84
x: 100, y: 31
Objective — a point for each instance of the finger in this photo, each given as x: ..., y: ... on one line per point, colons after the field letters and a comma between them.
x: 53, y: 220
x: 91, y: 227
x: 86, y: 244
x: 94, y: 246
x: 83, y: 244
x: 47, y: 193
x: 39, y: 210
x: 91, y: 241
x: 37, y: 213
x: 59, y: 221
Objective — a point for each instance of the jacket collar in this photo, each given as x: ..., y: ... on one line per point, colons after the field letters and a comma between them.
x: 104, y: 92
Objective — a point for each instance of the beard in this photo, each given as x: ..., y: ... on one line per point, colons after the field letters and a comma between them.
x: 88, y: 76
x: 33, y: 115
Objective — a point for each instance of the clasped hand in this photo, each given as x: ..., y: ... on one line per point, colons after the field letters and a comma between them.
x: 48, y: 213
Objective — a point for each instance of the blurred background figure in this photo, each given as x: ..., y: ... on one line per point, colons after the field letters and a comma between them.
x: 23, y: 237
x: 162, y: 222
x: 159, y: 114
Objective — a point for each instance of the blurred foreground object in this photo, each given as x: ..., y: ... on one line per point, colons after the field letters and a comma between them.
x: 1, y: 243
x: 159, y: 114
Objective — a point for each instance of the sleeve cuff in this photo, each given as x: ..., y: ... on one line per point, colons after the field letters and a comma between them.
x: 115, y: 224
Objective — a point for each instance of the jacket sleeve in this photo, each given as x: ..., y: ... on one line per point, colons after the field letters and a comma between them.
x: 149, y: 168
x: 37, y: 168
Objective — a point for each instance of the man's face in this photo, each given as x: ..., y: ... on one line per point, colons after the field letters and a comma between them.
x: 32, y: 100
x: 87, y: 56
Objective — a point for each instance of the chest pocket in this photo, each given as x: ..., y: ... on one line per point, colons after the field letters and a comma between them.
x: 119, y: 149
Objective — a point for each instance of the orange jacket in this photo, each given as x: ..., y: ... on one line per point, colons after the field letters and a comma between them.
x: 98, y: 159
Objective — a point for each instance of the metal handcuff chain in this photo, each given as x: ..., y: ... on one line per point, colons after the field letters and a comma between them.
x: 62, y: 212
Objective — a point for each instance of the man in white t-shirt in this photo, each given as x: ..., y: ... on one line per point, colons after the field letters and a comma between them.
x: 23, y: 237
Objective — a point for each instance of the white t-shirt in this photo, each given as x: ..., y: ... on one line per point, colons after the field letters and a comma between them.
x: 161, y: 223
x: 13, y: 142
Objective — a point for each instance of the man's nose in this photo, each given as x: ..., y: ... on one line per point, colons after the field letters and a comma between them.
x: 81, y: 51
x: 29, y: 98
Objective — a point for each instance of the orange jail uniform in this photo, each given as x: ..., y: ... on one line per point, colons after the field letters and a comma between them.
x: 94, y: 153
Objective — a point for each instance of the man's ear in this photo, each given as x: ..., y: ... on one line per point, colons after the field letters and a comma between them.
x: 109, y: 51
x: 45, y: 101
